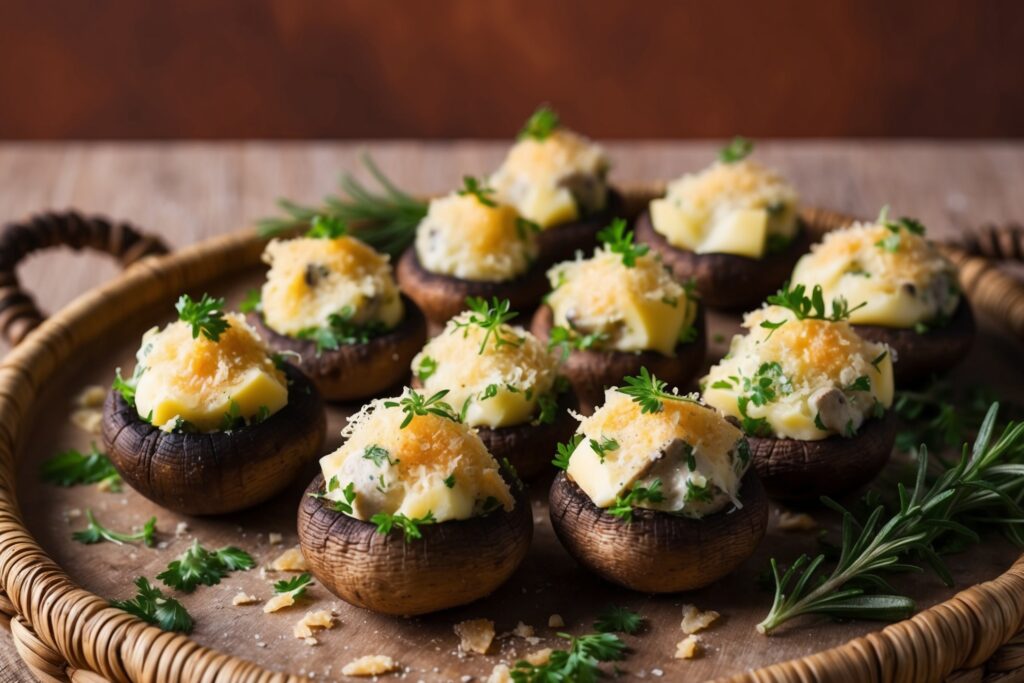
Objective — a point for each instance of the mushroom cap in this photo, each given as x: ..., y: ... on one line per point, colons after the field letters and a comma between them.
x: 442, y: 297
x: 561, y: 242
x: 454, y: 563
x: 592, y: 371
x: 658, y: 552
x: 355, y: 371
x: 726, y: 281
x: 218, y: 472
x: 796, y: 470
x: 919, y: 356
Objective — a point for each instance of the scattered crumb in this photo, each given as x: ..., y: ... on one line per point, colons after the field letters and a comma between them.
x: 243, y: 598
x: 796, y: 521
x: 73, y: 513
x: 500, y: 674
x: 108, y: 485
x: 290, y: 560
x: 91, y: 396
x: 658, y: 673
x: 688, y: 648
x: 694, y: 620
x: 475, y: 635
x: 261, y: 644
x: 540, y: 657
x: 370, y: 665
x: 311, y: 641
x: 274, y: 538
x: 556, y: 621
x: 279, y: 602
x: 523, y: 630
x: 313, y: 620
x: 87, y: 419
x: 181, y: 529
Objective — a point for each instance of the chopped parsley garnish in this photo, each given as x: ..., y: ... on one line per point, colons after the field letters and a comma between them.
x: 197, y: 565
x: 623, y: 505
x: 581, y: 663
x: 205, y: 316
x: 738, y: 149
x: 232, y: 419
x: 568, y: 340
x: 526, y: 227
x: 862, y: 383
x: 489, y: 392
x: 489, y: 318
x: 541, y: 124
x: 72, y: 467
x: 767, y: 384
x: 565, y: 451
x: 812, y: 307
x: 619, y: 240
x: 97, y: 533
x: 327, y: 227
x: 649, y: 392
x: 124, y: 387
x: 615, y: 619
x: 349, y: 493
x: 341, y: 331
x: 414, y: 404
x: 253, y: 301
x: 548, y: 409
x: 449, y: 481
x: 378, y: 455
x: 426, y: 368
x: 410, y: 526
x: 700, y: 493
x: 296, y: 585
x: 153, y: 607
x: 604, y: 447
x: 511, y: 474
x: 891, y: 242
x: 478, y: 189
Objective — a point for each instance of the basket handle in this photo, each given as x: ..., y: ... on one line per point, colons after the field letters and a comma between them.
x: 998, y: 242
x: 996, y: 294
x: 19, y: 313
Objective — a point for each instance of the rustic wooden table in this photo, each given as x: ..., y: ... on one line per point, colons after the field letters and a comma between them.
x: 188, y: 192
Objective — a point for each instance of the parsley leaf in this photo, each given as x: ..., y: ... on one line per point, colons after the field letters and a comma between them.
x: 541, y: 124
x: 605, y: 446
x: 253, y: 301
x: 97, y: 533
x: 124, y: 387
x: 327, y: 227
x: 569, y: 340
x: 426, y: 368
x: 200, y: 566
x: 490, y: 318
x: 615, y: 619
x: 153, y: 607
x: 349, y: 492
x: 341, y: 331
x: 892, y: 241
x: 623, y: 505
x: 206, y: 316
x: 649, y: 391
x: 619, y: 240
x: 296, y: 585
x: 565, y: 451
x: 413, y: 404
x: 738, y: 149
x: 72, y: 467
x: 410, y: 526
x: 478, y: 189
x: 812, y: 307
x: 579, y: 664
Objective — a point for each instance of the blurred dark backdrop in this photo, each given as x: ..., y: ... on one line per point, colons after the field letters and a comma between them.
x: 476, y: 68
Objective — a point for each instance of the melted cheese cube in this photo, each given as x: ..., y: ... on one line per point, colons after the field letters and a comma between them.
x: 742, y: 232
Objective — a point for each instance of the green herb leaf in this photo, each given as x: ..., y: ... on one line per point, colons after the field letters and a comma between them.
x: 206, y: 316
x: 253, y: 301
x: 327, y: 227
x: 410, y: 526
x: 623, y: 505
x: 198, y: 566
x: 812, y: 307
x: 541, y: 124
x: 72, y: 467
x: 565, y: 451
x: 153, y: 607
x: 581, y: 663
x: 619, y: 240
x: 605, y: 446
x: 413, y: 404
x: 124, y: 387
x: 569, y: 340
x: 97, y: 533
x: 341, y: 331
x: 615, y: 619
x: 426, y: 368
x: 477, y: 188
x: 649, y: 392
x: 490, y: 318
x: 296, y: 585
x: 738, y: 149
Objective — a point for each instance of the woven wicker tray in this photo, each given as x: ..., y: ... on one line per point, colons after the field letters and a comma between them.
x: 56, y: 591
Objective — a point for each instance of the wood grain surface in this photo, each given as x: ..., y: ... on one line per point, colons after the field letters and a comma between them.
x: 187, y: 192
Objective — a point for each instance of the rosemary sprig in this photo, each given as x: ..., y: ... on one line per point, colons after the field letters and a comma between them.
x: 385, y: 219
x: 986, y: 486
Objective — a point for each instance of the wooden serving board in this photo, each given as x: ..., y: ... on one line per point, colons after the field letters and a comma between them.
x: 549, y: 582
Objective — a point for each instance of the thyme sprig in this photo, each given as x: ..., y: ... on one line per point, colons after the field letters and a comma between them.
x: 985, y: 486
x: 489, y: 318
x: 650, y: 392
x: 386, y: 219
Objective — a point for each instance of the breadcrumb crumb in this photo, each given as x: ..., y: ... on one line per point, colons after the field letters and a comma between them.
x: 370, y: 665
x: 475, y: 635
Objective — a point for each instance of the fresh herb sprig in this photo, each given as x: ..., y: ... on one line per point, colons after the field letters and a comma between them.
x: 892, y: 241
x: 940, y: 416
x: 205, y: 316
x: 809, y: 307
x: 615, y: 619
x: 738, y: 149
x: 125, y: 387
x: 410, y: 526
x: 650, y: 392
x: 580, y: 663
x: 74, y: 467
x: 619, y: 240
x: 985, y: 486
x: 341, y: 330
x: 541, y: 124
x: 253, y: 301
x: 623, y: 505
x: 565, y: 451
x: 471, y: 187
x: 489, y: 317
x: 97, y: 533
x: 569, y: 340
x: 386, y: 219
x: 296, y: 585
x: 327, y: 227
x: 197, y: 565
x: 414, y: 403
x: 153, y: 607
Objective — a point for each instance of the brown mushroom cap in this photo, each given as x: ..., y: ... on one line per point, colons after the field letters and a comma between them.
x: 454, y: 563
x: 219, y: 472
x: 919, y: 356
x: 442, y: 297
x: 726, y: 281
x: 591, y: 371
x: 560, y: 242
x: 658, y: 552
x: 796, y: 470
x: 355, y: 371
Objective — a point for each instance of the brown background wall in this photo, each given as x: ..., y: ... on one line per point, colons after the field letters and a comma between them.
x: 476, y: 68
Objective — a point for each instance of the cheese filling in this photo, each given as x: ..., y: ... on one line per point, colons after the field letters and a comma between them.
x: 195, y: 384
x: 433, y: 467
x: 902, y: 278
x: 463, y: 237
x: 737, y: 208
x: 310, y: 280
x: 554, y: 180
x: 503, y: 376
x: 622, y: 308
x: 689, y: 455
x: 800, y: 379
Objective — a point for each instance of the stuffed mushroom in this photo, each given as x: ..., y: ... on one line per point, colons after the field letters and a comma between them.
x: 617, y: 312
x: 910, y: 292
x: 210, y: 421
x: 412, y: 514
x: 657, y: 494
x: 733, y: 228
x: 812, y: 396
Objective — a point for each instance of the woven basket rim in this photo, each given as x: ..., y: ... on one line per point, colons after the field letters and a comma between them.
x: 28, y: 574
